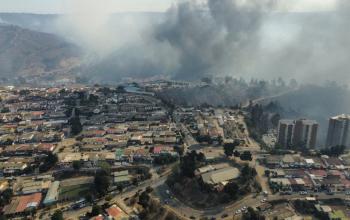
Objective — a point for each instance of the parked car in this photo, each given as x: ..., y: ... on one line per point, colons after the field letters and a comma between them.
x: 303, y: 192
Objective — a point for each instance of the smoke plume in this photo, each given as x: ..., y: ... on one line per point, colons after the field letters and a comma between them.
x: 213, y: 37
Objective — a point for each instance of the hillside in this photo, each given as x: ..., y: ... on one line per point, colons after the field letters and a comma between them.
x: 25, y: 52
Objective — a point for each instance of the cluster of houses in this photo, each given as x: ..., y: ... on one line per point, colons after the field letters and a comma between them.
x: 124, y: 142
x: 121, y: 129
x: 314, y: 173
x: 32, y: 123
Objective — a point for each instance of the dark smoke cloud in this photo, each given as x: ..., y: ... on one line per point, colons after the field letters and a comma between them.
x: 214, y: 41
x: 218, y: 37
x: 193, y: 40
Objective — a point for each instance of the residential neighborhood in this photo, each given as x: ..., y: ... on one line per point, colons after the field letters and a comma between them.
x: 108, y: 153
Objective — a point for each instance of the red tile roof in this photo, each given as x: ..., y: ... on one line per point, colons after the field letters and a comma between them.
x: 321, y: 173
x: 32, y: 200
x: 37, y: 113
x: 113, y: 211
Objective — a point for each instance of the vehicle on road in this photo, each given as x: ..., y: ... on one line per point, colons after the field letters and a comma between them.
x: 303, y: 192
x: 79, y: 204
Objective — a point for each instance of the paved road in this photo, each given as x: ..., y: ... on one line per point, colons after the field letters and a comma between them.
x: 119, y: 198
x: 230, y: 209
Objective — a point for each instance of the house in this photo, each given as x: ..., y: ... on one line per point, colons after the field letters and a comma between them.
x: 45, y: 147
x: 29, y: 186
x: 19, y: 149
x: 157, y: 150
x: 115, y: 213
x: 92, y: 147
x: 333, y: 162
x: 334, y: 183
x: 273, y: 161
x: 98, y: 217
x: 94, y: 141
x: 22, y: 205
x: 12, y: 168
x: 93, y: 133
x: 122, y: 178
x: 284, y: 182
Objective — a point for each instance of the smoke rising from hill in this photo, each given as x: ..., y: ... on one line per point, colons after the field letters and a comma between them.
x: 227, y: 37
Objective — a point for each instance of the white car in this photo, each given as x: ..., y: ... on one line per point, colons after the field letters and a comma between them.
x: 263, y: 200
x: 244, y: 208
x: 238, y: 212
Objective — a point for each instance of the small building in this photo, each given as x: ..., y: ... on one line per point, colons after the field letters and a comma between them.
x: 221, y: 176
x: 122, y: 178
x: 52, y: 194
x: 115, y: 213
x: 21, y: 205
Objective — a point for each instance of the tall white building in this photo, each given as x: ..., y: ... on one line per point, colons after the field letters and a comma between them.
x: 297, y: 133
x: 338, y: 131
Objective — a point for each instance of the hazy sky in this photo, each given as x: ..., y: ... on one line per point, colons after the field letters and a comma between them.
x: 62, y: 6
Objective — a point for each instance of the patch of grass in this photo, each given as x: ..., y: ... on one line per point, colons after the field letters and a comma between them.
x: 71, y: 192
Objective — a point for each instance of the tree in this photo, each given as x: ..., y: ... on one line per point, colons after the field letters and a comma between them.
x: 49, y: 162
x: 76, y: 165
x: 5, y: 197
x: 144, y: 199
x: 120, y: 188
x: 237, y: 154
x: 220, y: 140
x: 105, y: 167
x: 229, y: 148
x: 164, y: 159
x: 5, y: 110
x: 96, y: 210
x: 251, y: 214
x: 232, y: 189
x: 102, y: 183
x: 89, y: 198
x: 248, y: 172
x: 190, y: 162
x: 149, y: 189
x: 246, y: 155
x: 335, y: 151
x: 58, y: 215
x: 75, y: 125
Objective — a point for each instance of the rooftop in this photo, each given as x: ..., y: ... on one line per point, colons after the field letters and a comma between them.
x: 220, y: 176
